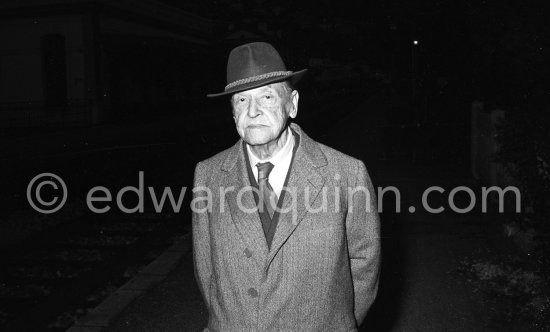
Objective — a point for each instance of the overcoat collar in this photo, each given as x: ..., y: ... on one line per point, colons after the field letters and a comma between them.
x: 306, y: 172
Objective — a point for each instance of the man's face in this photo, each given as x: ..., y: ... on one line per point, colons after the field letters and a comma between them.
x: 260, y: 114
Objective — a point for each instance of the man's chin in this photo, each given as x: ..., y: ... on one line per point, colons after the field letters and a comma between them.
x: 257, y: 139
x: 256, y: 142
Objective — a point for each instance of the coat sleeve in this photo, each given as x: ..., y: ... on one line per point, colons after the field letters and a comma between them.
x: 201, y: 234
x: 363, y: 236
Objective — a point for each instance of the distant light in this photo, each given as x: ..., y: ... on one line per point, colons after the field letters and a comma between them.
x: 415, y: 42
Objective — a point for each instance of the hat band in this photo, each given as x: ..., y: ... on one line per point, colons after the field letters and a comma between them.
x: 256, y: 78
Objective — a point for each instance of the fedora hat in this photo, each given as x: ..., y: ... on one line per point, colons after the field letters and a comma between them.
x: 254, y: 65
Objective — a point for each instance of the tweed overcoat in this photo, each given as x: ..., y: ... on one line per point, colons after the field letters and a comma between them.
x: 321, y: 272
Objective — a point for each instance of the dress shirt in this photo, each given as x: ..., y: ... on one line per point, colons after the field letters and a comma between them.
x: 281, y: 162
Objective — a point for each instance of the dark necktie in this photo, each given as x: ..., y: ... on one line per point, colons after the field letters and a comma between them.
x: 267, y: 194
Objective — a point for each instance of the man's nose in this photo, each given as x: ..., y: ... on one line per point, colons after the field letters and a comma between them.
x: 253, y: 110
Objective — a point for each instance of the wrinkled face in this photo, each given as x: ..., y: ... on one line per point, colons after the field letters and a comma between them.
x: 260, y: 114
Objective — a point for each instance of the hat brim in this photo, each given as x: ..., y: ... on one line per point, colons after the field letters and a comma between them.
x: 293, y: 77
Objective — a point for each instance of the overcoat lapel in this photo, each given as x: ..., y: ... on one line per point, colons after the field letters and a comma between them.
x: 242, y: 205
x: 305, y: 183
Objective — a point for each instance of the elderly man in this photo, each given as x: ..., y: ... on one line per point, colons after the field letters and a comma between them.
x: 285, y: 229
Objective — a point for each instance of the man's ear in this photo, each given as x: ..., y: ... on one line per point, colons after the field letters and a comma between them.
x: 233, y: 115
x: 294, y: 97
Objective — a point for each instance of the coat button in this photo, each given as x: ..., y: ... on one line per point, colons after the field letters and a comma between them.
x: 248, y: 253
x: 252, y: 292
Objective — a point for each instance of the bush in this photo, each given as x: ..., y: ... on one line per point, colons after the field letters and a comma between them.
x: 524, y: 140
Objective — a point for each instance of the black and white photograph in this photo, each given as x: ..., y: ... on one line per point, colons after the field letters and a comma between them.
x: 253, y: 165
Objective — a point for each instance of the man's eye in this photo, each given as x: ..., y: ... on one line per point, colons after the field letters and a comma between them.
x: 268, y: 97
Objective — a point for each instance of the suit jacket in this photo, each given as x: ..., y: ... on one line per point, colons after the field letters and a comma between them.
x: 321, y: 272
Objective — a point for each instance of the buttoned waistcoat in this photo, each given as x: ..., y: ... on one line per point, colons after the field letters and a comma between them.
x: 321, y: 272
